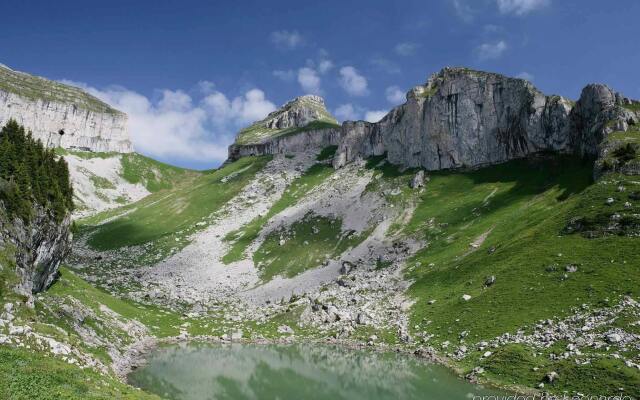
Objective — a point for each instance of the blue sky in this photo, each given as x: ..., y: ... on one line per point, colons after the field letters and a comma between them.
x: 190, y: 73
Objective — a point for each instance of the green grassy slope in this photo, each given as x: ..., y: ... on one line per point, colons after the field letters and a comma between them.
x: 242, y: 238
x: 522, y: 208
x: 137, y: 168
x: 168, y: 216
x: 308, y: 243
x: 154, y: 175
x: 27, y: 375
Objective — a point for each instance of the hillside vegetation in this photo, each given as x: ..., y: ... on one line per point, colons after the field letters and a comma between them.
x: 31, y: 175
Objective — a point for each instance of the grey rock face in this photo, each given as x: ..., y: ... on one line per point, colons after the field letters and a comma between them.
x: 463, y: 118
x: 466, y: 118
x: 297, y: 113
x: 289, y: 119
x: 46, y: 108
x: 599, y: 112
x: 303, y: 141
x: 418, y: 180
x: 40, y: 247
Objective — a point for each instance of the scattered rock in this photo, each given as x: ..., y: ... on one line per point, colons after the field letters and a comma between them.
x: 346, y: 267
x: 490, y: 281
x: 551, y: 377
x: 571, y: 268
x: 614, y: 338
x: 418, y: 180
x: 609, y: 201
x: 285, y: 330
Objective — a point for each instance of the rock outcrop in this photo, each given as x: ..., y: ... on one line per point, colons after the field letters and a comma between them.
x: 466, y: 118
x: 463, y: 118
x: 39, y: 248
x: 301, y: 114
x: 61, y: 115
x: 297, y: 113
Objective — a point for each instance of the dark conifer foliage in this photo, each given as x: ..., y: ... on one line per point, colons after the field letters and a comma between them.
x: 31, y: 174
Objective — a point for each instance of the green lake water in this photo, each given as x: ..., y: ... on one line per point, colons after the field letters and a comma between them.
x: 296, y: 372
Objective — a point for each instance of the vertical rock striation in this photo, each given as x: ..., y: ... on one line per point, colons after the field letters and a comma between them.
x: 39, y: 247
x: 49, y: 108
x: 466, y: 118
x: 463, y: 118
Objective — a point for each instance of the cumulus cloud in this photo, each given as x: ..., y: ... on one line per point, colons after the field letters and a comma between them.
x: 352, y: 82
x: 309, y: 80
x: 324, y: 66
x: 520, y: 7
x: 285, y: 75
x: 351, y: 112
x: 406, y: 49
x: 374, y: 115
x: 287, y: 40
x: 178, y: 128
x: 395, y: 95
x: 525, y: 75
x: 489, y: 51
x: 206, y: 87
x: 346, y: 112
x: 463, y: 10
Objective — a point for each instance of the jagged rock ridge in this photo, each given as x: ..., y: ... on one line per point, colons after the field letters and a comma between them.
x: 48, y: 108
x: 467, y: 118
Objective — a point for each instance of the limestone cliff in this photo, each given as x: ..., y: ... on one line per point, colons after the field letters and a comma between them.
x: 463, y: 118
x: 466, y: 118
x: 39, y: 248
x: 61, y: 115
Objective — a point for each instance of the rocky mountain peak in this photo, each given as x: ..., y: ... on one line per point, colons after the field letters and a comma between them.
x: 303, y: 112
x: 298, y: 113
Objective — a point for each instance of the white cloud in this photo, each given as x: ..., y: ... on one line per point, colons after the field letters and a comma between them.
x: 525, y: 75
x: 346, y: 112
x: 386, y: 65
x: 324, y: 66
x: 285, y: 75
x: 178, y: 127
x: 463, y: 10
x: 206, y: 87
x: 375, y: 115
x: 395, y: 95
x: 489, y: 51
x: 406, y: 49
x: 309, y: 80
x: 521, y: 7
x: 351, y: 112
x: 174, y: 101
x: 287, y: 40
x: 352, y: 82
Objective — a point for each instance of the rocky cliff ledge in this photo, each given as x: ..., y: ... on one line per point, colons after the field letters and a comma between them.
x: 39, y: 247
x: 301, y: 123
x: 49, y: 108
x: 466, y: 118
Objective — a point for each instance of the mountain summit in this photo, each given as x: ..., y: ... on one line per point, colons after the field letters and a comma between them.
x: 302, y: 113
x: 61, y: 115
